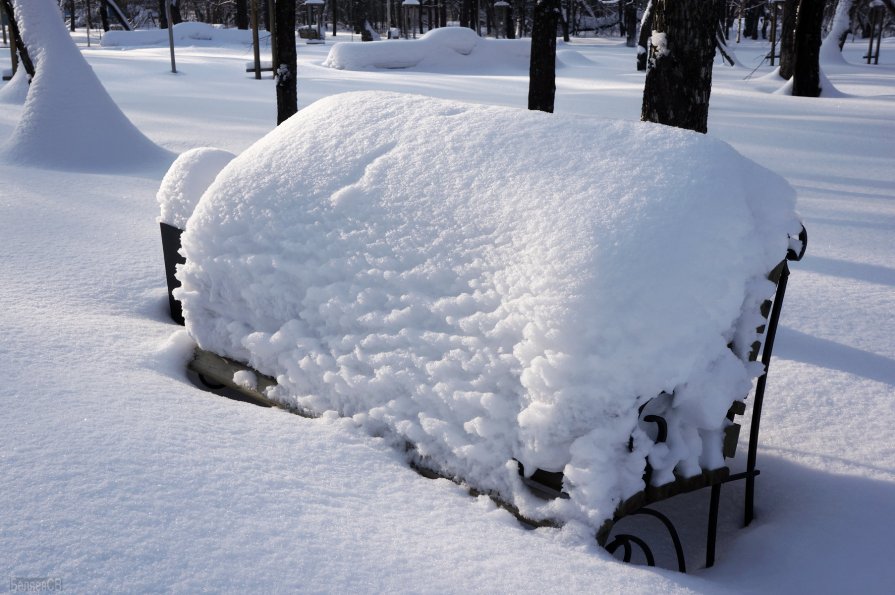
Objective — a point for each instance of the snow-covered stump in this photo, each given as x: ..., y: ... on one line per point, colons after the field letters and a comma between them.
x: 449, y: 280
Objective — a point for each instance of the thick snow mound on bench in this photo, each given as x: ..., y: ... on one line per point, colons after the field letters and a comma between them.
x: 441, y: 50
x: 493, y: 284
x: 187, y: 179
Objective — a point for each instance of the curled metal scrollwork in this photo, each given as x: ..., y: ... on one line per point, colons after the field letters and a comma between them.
x: 626, y: 539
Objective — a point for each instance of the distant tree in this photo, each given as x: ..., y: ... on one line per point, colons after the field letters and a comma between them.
x: 806, y: 63
x: 630, y: 23
x: 520, y: 11
x: 679, y: 78
x: 103, y: 15
x: 542, y: 68
x: 359, y: 14
x: 788, y: 38
x: 564, y: 16
x: 646, y: 29
x: 335, y: 14
x: 752, y: 10
x: 286, y: 67
x: 242, y: 14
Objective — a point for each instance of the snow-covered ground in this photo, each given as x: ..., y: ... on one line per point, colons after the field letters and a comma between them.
x: 120, y: 475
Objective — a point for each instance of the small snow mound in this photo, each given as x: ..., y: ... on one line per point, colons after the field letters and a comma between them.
x: 572, y: 58
x: 451, y: 281
x: 187, y: 179
x: 15, y: 91
x: 827, y: 89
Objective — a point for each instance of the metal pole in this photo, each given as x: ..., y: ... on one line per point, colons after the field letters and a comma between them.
x: 257, y: 50
x: 88, y: 24
x: 879, y: 35
x: 170, y: 35
x: 478, y: 22
x: 872, y: 33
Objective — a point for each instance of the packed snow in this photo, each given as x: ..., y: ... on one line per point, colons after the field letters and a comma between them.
x: 120, y: 475
x: 69, y: 121
x: 187, y: 179
x: 519, y: 305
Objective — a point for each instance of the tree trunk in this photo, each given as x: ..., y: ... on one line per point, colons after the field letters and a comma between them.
x: 788, y: 38
x: 359, y: 18
x: 287, y: 89
x: 542, y: 70
x: 750, y: 9
x: 71, y: 11
x: 103, y: 15
x: 679, y: 79
x: 631, y: 23
x: 162, y: 15
x: 564, y: 16
x: 466, y: 14
x: 335, y: 15
x: 242, y: 14
x: 16, y: 38
x: 646, y: 30
x: 806, y: 67
x: 175, y: 13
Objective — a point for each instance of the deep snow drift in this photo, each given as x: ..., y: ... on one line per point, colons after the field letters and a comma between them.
x: 69, y: 121
x: 489, y: 300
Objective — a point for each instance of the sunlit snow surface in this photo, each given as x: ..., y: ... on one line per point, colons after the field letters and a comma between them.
x: 119, y: 475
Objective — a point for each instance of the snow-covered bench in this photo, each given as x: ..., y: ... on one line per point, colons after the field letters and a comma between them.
x: 550, y: 484
x: 503, y: 290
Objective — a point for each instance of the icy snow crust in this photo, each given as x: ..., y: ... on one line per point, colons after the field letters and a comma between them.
x: 187, y: 179
x: 401, y: 279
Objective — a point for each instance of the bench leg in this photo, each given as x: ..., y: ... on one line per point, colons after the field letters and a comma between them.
x: 713, y: 526
x: 748, y: 513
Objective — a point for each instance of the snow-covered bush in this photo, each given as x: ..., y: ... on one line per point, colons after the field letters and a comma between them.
x: 494, y: 284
